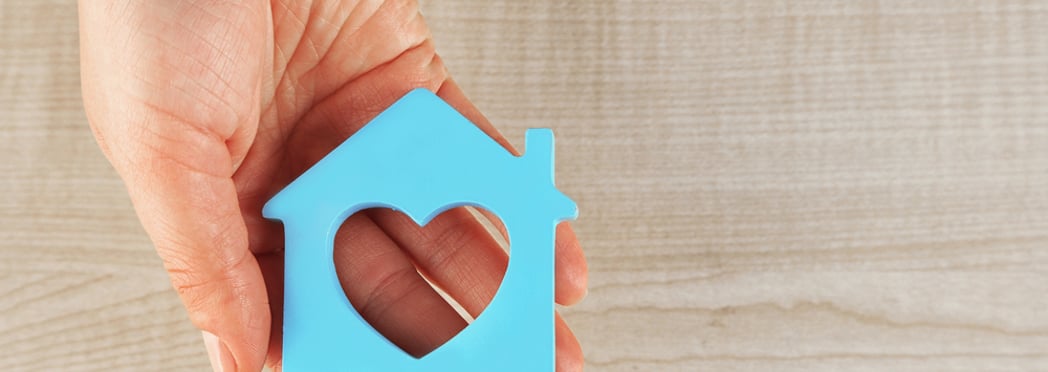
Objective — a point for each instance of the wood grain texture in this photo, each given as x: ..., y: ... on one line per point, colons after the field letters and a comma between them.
x: 764, y: 185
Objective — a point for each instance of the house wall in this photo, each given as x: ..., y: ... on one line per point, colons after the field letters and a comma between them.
x: 763, y: 185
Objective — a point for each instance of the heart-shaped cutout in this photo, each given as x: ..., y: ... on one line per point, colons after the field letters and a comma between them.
x: 420, y: 286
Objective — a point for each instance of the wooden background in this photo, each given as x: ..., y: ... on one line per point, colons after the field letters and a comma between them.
x: 764, y: 185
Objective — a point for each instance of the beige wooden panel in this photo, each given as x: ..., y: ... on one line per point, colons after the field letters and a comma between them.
x: 765, y: 185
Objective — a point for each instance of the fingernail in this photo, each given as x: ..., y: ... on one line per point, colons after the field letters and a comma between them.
x: 218, y: 353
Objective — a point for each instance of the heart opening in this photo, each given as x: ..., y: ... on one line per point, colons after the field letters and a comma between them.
x: 419, y: 286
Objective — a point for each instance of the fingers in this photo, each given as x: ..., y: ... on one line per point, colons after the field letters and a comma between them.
x: 459, y: 254
x: 454, y: 250
x: 570, y: 263
x: 457, y: 250
x: 571, y: 270
x: 570, y: 267
x: 383, y: 285
x: 569, y: 353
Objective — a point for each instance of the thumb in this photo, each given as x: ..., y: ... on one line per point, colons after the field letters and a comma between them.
x: 194, y: 220
x: 180, y: 182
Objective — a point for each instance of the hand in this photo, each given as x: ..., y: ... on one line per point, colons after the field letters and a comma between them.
x: 207, y: 108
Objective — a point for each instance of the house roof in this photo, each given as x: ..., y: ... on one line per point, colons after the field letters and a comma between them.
x: 420, y: 145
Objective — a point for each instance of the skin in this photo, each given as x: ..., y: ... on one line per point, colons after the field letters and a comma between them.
x: 207, y: 108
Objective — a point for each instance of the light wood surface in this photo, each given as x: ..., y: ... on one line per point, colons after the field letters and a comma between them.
x: 764, y: 185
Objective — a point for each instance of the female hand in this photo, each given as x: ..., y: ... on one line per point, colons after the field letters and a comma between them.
x: 207, y: 108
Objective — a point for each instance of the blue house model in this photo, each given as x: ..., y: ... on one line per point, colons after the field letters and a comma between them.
x: 422, y: 157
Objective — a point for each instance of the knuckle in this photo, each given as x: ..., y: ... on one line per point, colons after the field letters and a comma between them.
x: 199, y: 294
x: 389, y: 289
x: 205, y: 289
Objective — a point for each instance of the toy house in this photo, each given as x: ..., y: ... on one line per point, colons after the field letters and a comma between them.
x: 422, y: 157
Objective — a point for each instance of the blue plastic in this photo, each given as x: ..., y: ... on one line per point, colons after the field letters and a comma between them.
x: 422, y: 157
